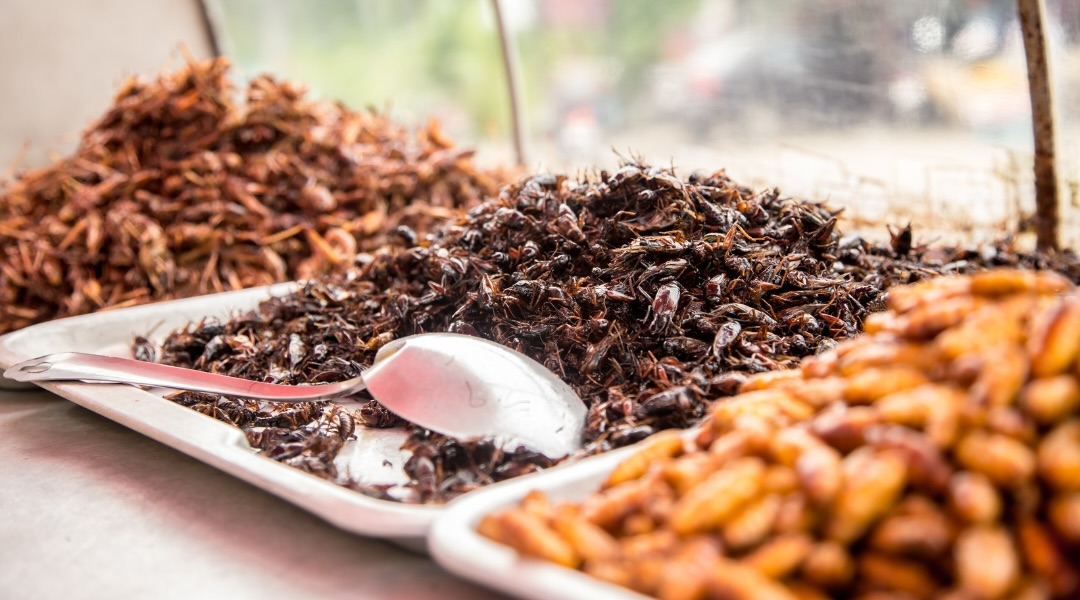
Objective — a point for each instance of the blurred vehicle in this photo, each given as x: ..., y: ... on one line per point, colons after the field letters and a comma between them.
x: 836, y: 63
x: 977, y: 75
x: 823, y: 66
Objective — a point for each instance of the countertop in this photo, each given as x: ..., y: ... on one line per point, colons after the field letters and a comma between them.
x: 91, y: 509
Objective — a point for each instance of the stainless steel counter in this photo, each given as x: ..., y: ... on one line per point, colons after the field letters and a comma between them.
x: 90, y: 509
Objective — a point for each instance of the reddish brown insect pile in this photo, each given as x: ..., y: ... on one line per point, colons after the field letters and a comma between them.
x: 938, y: 456
x: 179, y: 190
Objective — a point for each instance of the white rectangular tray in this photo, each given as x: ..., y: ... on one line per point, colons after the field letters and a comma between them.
x: 374, y: 454
x: 454, y: 543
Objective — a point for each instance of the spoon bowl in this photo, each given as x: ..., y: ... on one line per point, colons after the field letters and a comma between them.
x: 461, y: 386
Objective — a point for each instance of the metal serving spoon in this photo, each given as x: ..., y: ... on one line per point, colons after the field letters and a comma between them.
x: 458, y: 385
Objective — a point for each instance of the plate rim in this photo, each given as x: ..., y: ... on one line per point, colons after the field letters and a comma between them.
x: 204, y: 438
x: 455, y: 544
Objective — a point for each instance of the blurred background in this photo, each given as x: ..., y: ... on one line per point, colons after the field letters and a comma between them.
x: 61, y: 62
x: 898, y: 111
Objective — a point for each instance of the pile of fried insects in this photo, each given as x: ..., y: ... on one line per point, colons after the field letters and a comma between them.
x: 652, y: 295
x: 180, y: 190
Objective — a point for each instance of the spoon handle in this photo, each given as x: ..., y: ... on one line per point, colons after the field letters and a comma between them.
x: 77, y: 366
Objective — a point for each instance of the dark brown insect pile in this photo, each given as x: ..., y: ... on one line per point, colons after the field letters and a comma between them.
x: 650, y: 295
x: 179, y: 190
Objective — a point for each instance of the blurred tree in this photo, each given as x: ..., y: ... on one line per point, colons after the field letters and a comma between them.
x: 408, y: 55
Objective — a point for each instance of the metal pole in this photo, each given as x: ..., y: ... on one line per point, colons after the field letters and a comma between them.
x: 513, y: 84
x: 1032, y: 21
x: 211, y: 19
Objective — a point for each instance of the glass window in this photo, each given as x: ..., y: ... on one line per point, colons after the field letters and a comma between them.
x: 911, y: 110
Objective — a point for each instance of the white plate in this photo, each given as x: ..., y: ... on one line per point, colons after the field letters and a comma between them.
x: 454, y: 543
x: 374, y: 454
